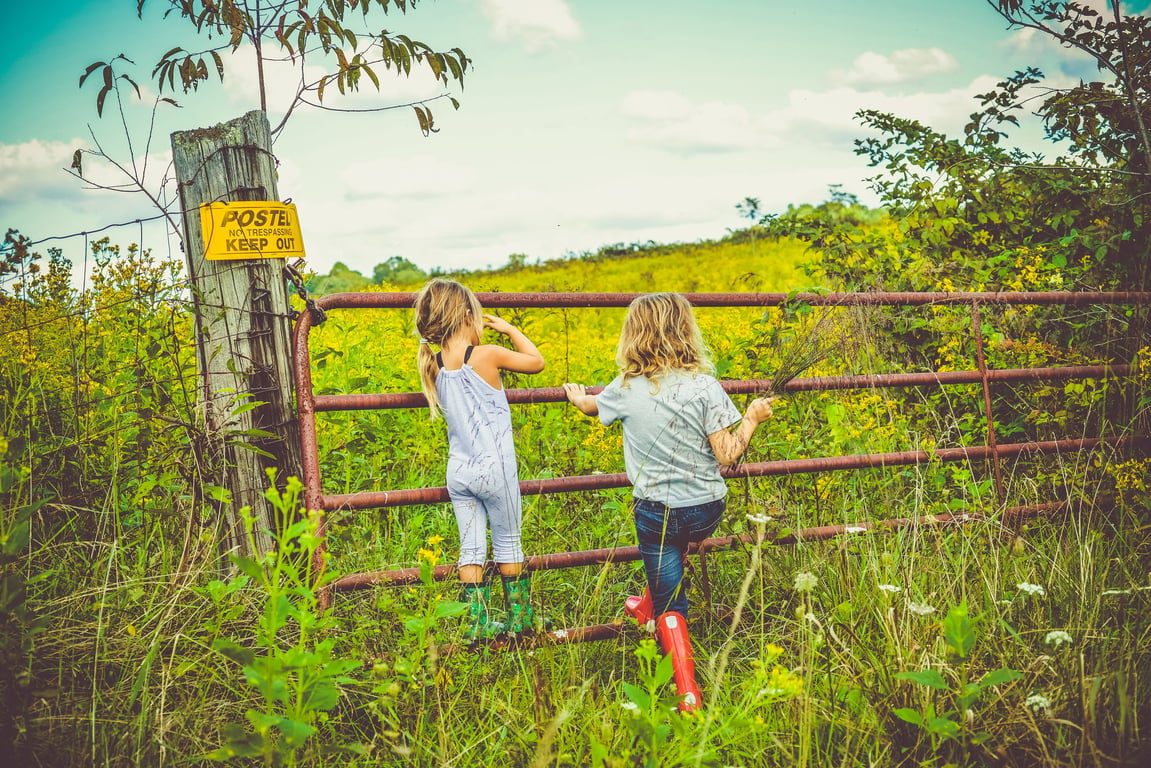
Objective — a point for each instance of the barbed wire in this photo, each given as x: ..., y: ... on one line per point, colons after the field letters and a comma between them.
x: 87, y: 233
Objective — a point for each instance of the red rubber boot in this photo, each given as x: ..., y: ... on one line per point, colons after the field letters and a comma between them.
x: 639, y: 608
x: 671, y: 628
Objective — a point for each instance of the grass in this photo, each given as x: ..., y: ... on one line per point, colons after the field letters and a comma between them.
x: 118, y: 661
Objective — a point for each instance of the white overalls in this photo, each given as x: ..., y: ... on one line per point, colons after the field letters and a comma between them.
x: 483, y: 482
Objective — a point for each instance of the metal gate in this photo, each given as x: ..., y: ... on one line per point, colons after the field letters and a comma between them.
x: 992, y: 451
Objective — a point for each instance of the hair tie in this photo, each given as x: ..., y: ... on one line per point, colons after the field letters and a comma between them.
x: 424, y: 341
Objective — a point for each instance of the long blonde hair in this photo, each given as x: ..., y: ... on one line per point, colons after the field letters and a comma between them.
x: 442, y: 307
x: 660, y: 335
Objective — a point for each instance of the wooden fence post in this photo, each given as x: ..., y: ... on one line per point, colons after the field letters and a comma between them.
x: 242, y: 328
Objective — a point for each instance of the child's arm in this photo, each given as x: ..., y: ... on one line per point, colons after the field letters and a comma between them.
x: 578, y: 396
x: 729, y: 445
x: 525, y: 358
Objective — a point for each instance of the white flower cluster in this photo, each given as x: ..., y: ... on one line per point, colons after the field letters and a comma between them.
x: 1037, y: 703
x: 1034, y: 590
x: 1057, y: 637
x: 890, y: 588
x: 805, y: 581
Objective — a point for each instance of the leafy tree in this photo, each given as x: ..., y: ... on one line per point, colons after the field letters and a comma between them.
x: 397, y: 269
x: 340, y: 279
x: 1105, y: 120
x: 965, y: 213
x: 304, y: 32
x: 332, y: 34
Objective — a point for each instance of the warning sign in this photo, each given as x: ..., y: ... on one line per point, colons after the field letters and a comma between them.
x: 262, y: 230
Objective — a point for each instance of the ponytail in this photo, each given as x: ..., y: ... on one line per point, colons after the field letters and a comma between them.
x: 442, y: 308
x: 426, y: 363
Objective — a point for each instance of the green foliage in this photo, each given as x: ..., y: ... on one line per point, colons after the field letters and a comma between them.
x: 291, y: 661
x: 322, y: 32
x: 959, y: 637
x: 19, y: 624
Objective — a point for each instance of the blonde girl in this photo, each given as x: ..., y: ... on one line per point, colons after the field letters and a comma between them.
x: 462, y: 381
x: 677, y: 432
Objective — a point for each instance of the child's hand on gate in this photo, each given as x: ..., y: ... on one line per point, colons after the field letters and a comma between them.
x: 574, y: 391
x: 577, y: 395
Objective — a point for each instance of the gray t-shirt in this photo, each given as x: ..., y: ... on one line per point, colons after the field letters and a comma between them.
x: 665, y: 428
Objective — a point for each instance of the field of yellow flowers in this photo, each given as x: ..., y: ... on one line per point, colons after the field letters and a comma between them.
x: 125, y: 641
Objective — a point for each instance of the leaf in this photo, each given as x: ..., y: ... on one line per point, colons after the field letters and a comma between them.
x: 929, y: 677
x: 637, y: 696
x: 230, y: 649
x: 91, y: 68
x: 1000, y: 676
x: 295, y: 733
x: 450, y: 608
x: 910, y: 715
x: 424, y: 127
x: 249, y: 567
x: 262, y: 721
x: 132, y: 83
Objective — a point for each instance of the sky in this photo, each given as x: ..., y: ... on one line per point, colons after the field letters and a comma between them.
x: 582, y: 123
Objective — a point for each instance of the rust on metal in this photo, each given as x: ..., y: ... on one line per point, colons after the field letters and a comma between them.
x: 556, y: 560
x: 380, y: 499
x: 385, y: 401
x: 981, y: 363
x: 608, y: 631
x: 877, y: 298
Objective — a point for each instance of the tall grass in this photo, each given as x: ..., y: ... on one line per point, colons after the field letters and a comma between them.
x: 117, y: 653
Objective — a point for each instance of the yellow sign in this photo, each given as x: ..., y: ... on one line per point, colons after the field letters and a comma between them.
x: 263, y: 230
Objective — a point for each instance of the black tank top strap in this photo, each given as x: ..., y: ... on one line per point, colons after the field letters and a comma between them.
x: 440, y: 359
x: 467, y: 354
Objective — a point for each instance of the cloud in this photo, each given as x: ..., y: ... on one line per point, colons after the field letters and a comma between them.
x: 908, y: 64
x: 668, y: 120
x: 537, y: 24
x: 425, y: 177
x: 829, y: 116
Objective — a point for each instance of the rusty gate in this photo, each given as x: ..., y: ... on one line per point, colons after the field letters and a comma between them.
x: 992, y: 451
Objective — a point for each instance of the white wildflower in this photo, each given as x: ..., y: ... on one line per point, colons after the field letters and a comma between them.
x: 890, y: 588
x: 919, y: 609
x: 805, y: 581
x: 1035, y: 590
x: 1037, y: 703
x: 630, y: 706
x: 560, y: 634
x: 1057, y: 637
x: 758, y: 519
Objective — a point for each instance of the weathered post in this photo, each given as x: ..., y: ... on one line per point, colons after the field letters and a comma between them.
x: 242, y: 326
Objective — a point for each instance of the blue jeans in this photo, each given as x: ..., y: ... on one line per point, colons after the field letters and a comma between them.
x: 664, y: 533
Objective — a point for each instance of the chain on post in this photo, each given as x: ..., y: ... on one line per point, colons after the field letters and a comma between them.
x: 293, y: 272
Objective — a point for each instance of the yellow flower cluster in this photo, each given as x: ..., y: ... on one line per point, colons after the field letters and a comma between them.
x: 1029, y: 265
x: 1130, y: 476
x: 1143, y: 365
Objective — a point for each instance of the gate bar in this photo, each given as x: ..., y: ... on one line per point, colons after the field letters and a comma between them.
x: 390, y: 300
x: 397, y: 498
x: 391, y: 400
x: 407, y: 576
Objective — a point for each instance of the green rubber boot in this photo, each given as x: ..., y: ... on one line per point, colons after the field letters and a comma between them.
x: 522, y: 618
x: 479, y: 624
